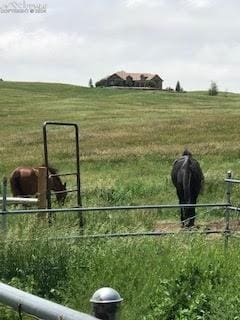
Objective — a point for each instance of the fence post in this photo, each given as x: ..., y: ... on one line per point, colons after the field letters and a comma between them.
x: 4, y: 206
x: 42, y: 190
x: 106, y: 304
x: 229, y: 187
x: 227, y: 214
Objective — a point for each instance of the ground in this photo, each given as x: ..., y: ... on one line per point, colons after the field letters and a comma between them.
x: 214, y: 225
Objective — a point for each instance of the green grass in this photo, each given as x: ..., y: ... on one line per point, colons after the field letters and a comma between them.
x: 174, y: 278
x: 128, y: 142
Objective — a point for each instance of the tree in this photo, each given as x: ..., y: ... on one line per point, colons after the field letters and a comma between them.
x: 213, y: 90
x: 129, y: 81
x: 90, y: 83
x: 101, y: 83
x: 178, y: 87
x: 151, y: 83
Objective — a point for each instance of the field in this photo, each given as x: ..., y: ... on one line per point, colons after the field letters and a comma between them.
x: 128, y: 142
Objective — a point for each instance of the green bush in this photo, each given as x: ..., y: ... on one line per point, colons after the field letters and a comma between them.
x: 213, y: 90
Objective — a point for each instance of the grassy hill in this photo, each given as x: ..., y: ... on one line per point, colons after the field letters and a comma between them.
x: 128, y: 141
x: 127, y: 137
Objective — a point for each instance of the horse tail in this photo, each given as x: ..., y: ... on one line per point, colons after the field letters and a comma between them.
x: 187, y: 179
x: 15, y: 184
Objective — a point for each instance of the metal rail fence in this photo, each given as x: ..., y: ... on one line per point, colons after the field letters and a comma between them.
x: 105, y: 302
x: 44, y: 309
x: 24, y: 302
x: 225, y: 205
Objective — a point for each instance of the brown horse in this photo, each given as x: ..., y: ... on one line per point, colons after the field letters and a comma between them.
x: 24, y: 183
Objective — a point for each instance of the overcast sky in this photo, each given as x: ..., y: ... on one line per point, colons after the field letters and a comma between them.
x: 193, y: 41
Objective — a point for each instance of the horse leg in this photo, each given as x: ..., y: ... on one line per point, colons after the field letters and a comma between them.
x: 190, y: 217
x: 180, y: 194
x: 192, y: 213
x: 183, y: 215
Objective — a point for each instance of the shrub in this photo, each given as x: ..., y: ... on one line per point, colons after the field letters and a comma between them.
x: 213, y: 90
x: 101, y: 83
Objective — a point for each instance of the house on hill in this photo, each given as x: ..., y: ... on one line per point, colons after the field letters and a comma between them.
x: 125, y: 79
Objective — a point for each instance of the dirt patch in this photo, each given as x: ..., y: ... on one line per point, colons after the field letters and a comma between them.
x: 213, y: 225
x: 166, y: 226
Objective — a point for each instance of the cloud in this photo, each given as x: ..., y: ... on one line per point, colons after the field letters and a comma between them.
x: 145, y: 3
x: 199, y: 3
x: 179, y: 39
x: 40, y: 45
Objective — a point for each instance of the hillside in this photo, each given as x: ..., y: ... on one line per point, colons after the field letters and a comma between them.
x: 118, y: 128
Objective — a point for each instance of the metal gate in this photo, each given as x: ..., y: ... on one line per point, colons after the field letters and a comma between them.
x: 76, y: 173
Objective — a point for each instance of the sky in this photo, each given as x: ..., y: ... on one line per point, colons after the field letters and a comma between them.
x: 193, y: 41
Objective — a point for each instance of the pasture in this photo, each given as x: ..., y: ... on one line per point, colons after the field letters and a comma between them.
x: 128, y: 142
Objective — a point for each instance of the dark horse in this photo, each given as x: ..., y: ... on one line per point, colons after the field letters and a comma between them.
x: 188, y: 179
x: 24, y: 182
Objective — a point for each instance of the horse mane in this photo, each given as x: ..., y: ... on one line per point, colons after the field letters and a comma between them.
x: 186, y: 152
x: 51, y: 169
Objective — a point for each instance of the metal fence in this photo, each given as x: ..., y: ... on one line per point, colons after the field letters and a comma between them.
x: 24, y: 302
x: 105, y: 301
x: 227, y: 206
x: 44, y: 309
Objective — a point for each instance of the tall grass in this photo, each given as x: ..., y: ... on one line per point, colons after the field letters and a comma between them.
x: 185, y: 278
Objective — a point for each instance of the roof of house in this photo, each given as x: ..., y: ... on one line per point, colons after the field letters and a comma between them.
x: 135, y: 76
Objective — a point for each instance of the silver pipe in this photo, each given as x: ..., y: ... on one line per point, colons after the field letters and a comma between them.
x: 63, y: 174
x: 117, y: 208
x: 232, y: 180
x: 125, y: 235
x: 64, y: 191
x: 16, y: 200
x: 38, y: 307
x: 234, y: 208
x: 137, y: 234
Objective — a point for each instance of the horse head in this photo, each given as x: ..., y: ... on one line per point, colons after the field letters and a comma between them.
x: 186, y: 152
x: 56, y: 185
x: 60, y: 189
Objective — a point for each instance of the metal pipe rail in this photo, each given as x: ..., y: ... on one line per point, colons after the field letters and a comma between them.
x: 64, y: 191
x: 118, y: 208
x: 17, y: 200
x: 132, y: 235
x: 63, y: 174
x: 135, y: 234
x: 33, y: 305
x: 232, y: 180
x: 234, y: 208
